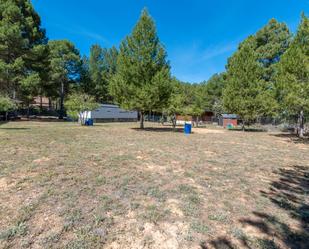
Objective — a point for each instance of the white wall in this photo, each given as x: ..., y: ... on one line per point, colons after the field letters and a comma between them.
x: 112, y: 112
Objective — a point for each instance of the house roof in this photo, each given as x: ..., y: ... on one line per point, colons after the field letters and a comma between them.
x: 230, y: 116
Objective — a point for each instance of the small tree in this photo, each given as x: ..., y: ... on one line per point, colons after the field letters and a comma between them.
x: 29, y: 87
x: 79, y: 103
x: 195, y: 103
x: 6, y: 105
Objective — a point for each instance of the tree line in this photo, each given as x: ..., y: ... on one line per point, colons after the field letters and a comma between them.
x: 268, y: 75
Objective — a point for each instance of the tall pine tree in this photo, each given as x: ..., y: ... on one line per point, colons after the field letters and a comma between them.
x: 21, y: 36
x: 102, y: 67
x: 293, y: 77
x: 142, y: 81
x: 246, y: 93
x: 65, y: 69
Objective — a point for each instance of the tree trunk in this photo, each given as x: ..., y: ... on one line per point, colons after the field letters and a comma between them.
x: 174, y: 121
x: 141, y: 126
x: 28, y: 111
x: 301, y: 124
x: 6, y: 116
x: 41, y: 104
x: 243, y: 126
x: 49, y: 104
x: 196, y: 120
x: 61, y: 113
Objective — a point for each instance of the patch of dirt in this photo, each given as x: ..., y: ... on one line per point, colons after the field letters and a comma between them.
x: 207, y: 131
x: 3, y: 184
x: 41, y: 160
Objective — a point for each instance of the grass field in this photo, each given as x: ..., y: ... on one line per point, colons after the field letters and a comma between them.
x: 113, y: 186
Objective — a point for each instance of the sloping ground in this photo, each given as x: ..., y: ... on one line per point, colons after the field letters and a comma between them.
x: 112, y: 186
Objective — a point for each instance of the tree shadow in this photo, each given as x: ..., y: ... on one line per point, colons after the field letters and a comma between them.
x: 14, y: 128
x: 3, y: 122
x: 219, y: 243
x: 289, y: 192
x: 293, y: 138
x: 159, y: 129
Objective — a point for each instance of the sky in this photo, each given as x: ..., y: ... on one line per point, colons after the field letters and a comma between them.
x: 199, y: 35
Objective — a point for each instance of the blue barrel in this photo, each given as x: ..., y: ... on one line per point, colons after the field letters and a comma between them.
x: 90, y: 122
x: 187, y: 128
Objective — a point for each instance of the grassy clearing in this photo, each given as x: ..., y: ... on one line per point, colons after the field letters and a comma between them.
x: 111, y: 186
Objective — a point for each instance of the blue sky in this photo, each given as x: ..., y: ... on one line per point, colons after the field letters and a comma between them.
x: 199, y: 35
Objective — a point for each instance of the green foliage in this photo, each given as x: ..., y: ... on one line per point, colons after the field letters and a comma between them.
x: 176, y: 102
x: 20, y: 37
x: 247, y: 93
x: 142, y: 81
x: 29, y: 87
x: 292, y: 81
x: 77, y: 103
x: 6, y: 104
x: 65, y: 68
x: 212, y: 91
x: 195, y: 102
x: 271, y: 43
x: 102, y: 66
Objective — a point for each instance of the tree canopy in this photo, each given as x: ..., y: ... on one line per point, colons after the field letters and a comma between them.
x: 247, y: 94
x: 21, y: 43
x: 142, y: 81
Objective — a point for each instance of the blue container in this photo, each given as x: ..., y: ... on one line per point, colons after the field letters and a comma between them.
x: 89, y: 122
x: 187, y: 128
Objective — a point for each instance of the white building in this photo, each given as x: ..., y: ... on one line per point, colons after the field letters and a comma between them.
x: 110, y: 113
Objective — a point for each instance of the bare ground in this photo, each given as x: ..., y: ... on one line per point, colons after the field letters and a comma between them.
x: 112, y: 186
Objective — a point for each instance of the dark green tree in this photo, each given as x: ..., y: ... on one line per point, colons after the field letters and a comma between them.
x: 195, y: 101
x: 212, y: 91
x: 65, y: 69
x: 271, y: 43
x: 292, y: 81
x: 21, y: 37
x: 142, y: 81
x: 102, y: 67
x: 176, y: 103
x: 247, y: 93
x: 99, y: 85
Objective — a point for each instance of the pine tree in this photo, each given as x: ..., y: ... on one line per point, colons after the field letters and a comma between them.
x: 271, y: 43
x: 176, y: 103
x: 246, y: 93
x: 142, y: 81
x: 212, y: 91
x: 20, y: 37
x: 292, y: 80
x: 102, y: 67
x: 96, y: 71
x: 65, y: 69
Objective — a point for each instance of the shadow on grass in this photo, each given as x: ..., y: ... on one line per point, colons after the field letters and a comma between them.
x: 219, y: 243
x: 293, y: 138
x: 289, y: 192
x: 159, y: 129
x: 14, y: 128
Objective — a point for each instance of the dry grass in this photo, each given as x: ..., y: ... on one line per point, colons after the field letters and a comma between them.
x: 111, y: 186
